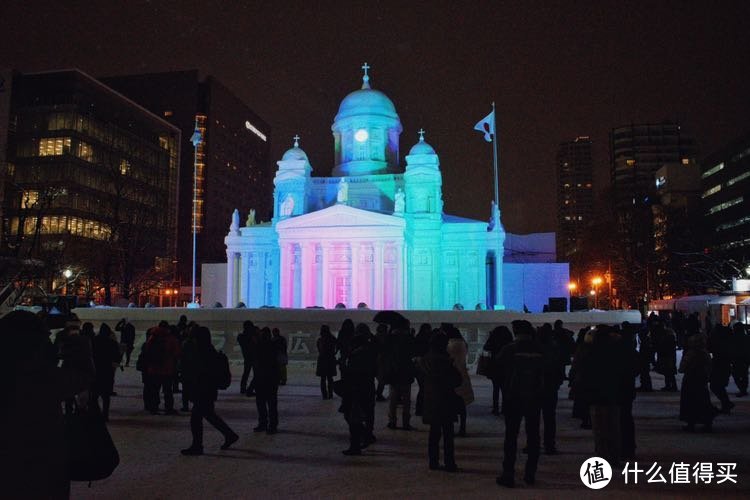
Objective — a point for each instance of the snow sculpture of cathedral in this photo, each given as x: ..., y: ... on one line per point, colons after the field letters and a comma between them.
x: 368, y: 234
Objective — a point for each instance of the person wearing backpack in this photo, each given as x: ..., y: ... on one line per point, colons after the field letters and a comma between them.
x: 199, y: 371
x: 523, y: 391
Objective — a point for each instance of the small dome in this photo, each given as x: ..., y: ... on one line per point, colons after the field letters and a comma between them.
x: 421, y: 147
x: 366, y: 101
x: 294, y: 153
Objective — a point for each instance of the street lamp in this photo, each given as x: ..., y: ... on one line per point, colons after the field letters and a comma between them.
x: 67, y: 273
x: 572, y: 287
x: 595, y: 292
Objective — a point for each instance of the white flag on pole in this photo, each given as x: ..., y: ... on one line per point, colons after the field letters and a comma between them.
x: 487, y: 126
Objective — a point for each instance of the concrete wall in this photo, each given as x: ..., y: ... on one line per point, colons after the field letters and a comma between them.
x: 301, y: 326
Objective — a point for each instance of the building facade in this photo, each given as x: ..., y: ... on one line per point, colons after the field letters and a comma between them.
x: 91, y: 177
x: 678, y: 231
x: 370, y: 234
x: 575, y: 195
x: 637, y: 151
x: 725, y: 188
x: 234, y: 152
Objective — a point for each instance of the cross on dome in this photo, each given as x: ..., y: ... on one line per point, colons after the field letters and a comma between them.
x: 421, y: 134
x: 365, y: 77
x: 296, y: 140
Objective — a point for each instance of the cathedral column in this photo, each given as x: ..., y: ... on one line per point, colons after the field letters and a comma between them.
x: 405, y: 277
x: 231, y: 278
x: 356, y: 285
x: 378, y: 263
x: 285, y: 275
x: 326, y: 249
x: 306, y: 271
x: 244, y: 266
x: 398, y: 279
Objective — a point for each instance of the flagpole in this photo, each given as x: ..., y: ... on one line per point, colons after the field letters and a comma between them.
x: 494, y: 149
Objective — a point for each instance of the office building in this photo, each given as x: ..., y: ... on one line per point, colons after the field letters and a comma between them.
x: 232, y: 164
x: 575, y: 199
x: 89, y: 181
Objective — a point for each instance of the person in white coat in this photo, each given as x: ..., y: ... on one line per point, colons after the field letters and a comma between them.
x: 458, y: 351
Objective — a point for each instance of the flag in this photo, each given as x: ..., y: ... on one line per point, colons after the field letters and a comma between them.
x: 487, y: 126
x: 196, y: 138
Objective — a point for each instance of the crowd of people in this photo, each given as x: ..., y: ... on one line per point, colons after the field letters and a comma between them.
x: 526, y: 365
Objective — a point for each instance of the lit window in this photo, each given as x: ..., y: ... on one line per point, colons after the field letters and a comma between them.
x: 712, y: 171
x: 735, y: 180
x: 29, y: 198
x: 630, y: 162
x: 709, y: 192
x: 124, y: 167
x: 685, y: 161
x: 725, y: 205
x: 84, y: 152
x: 168, y: 113
x: 54, y: 146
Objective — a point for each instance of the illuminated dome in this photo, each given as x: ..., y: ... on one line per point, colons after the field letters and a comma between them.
x: 366, y: 101
x: 421, y: 147
x: 295, y: 152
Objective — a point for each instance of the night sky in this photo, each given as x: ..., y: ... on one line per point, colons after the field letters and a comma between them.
x: 555, y: 69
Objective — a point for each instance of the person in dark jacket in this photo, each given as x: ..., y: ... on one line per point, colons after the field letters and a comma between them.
x: 267, y: 383
x: 695, y: 401
x: 740, y: 357
x: 199, y: 372
x: 248, y: 340
x: 399, y: 374
x: 627, y: 391
x: 421, y: 347
x: 127, y: 337
x: 523, y: 391
x: 497, y: 340
x: 554, y: 373
x: 381, y: 339
x: 357, y: 375
x: 645, y: 359
x: 602, y: 374
x: 665, y: 342
x: 565, y: 342
x: 282, y: 353
x: 721, y: 347
x: 439, y: 411
x: 32, y: 447
x: 326, y: 366
x: 107, y: 356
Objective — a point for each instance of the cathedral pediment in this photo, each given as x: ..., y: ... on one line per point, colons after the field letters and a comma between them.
x: 343, y: 216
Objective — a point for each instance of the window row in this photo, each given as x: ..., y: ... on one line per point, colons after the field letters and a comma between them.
x: 61, y: 225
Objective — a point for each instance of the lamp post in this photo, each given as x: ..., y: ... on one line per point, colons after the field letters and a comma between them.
x: 196, y: 139
x: 596, y: 282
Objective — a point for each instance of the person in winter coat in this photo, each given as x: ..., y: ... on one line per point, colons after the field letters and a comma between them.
x: 107, y: 358
x: 441, y: 379
x: 581, y: 404
x: 32, y: 447
x: 721, y: 347
x: 127, y: 337
x: 421, y: 347
x: 554, y: 373
x: 200, y: 375
x: 248, y: 340
x: 740, y: 357
x: 498, y: 338
x: 695, y: 401
x: 523, y: 391
x: 357, y: 377
x: 282, y: 348
x: 161, y: 353
x: 399, y: 374
x: 666, y: 356
x: 458, y: 350
x: 326, y: 366
x: 267, y: 383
